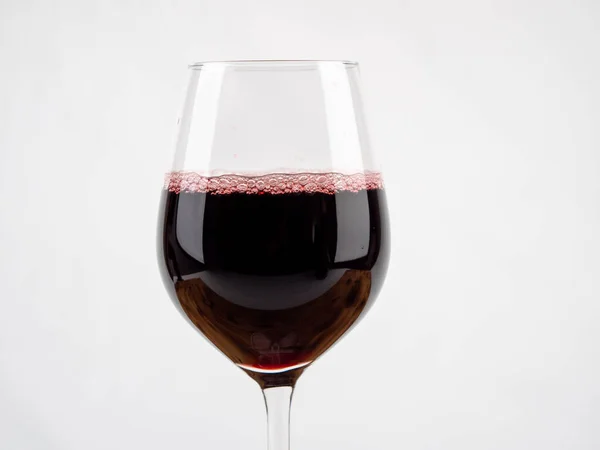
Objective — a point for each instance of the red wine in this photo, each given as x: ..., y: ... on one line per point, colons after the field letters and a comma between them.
x: 273, y: 269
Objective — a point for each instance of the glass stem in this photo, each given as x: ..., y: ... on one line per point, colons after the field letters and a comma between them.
x: 278, y: 400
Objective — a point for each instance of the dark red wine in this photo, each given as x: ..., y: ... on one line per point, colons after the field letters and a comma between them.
x: 273, y: 269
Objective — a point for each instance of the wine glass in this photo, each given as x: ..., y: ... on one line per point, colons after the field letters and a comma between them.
x: 273, y: 234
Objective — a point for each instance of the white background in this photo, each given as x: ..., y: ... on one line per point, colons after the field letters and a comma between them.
x: 486, y: 116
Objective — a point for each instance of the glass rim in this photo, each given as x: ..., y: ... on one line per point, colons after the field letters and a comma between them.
x: 272, y: 62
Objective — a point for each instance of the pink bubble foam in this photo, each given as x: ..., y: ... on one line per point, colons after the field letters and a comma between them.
x: 280, y: 183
